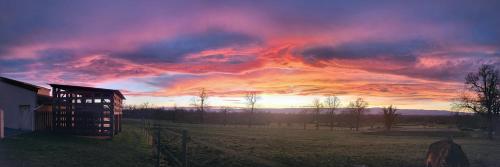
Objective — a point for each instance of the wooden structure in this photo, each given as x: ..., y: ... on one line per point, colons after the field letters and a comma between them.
x: 86, y: 111
x: 43, y: 113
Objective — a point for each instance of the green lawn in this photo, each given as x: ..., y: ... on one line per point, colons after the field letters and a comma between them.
x: 45, y: 149
x: 243, y: 146
x: 297, y: 147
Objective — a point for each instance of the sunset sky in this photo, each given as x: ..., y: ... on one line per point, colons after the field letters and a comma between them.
x: 413, y: 54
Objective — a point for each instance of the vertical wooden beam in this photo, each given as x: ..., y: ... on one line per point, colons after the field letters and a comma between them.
x: 119, y: 110
x: 2, y: 135
x: 100, y: 120
x: 54, y: 110
x: 112, y: 115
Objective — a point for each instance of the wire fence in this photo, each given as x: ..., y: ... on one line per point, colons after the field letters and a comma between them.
x: 169, y: 146
x: 175, y: 147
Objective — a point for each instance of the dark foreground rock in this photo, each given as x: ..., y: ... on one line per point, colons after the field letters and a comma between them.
x: 446, y: 153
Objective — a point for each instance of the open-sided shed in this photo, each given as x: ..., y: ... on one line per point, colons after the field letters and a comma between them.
x: 86, y: 111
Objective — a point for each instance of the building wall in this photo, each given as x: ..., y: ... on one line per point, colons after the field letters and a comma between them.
x: 11, y: 100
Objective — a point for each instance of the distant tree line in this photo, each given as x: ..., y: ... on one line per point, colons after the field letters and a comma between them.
x: 320, y: 114
x: 226, y: 116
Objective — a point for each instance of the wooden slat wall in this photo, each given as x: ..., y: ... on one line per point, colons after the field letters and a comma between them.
x: 43, y: 120
x: 86, y: 112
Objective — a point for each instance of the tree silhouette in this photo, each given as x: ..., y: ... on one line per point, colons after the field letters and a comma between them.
x: 225, y: 111
x: 200, y: 103
x: 146, y: 106
x: 317, y: 109
x: 305, y: 117
x: 174, y: 113
x: 332, y: 103
x: 251, y: 98
x: 390, y: 116
x: 483, y: 96
x: 357, y: 109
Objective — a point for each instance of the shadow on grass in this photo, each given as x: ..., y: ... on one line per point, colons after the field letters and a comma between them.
x: 49, y: 149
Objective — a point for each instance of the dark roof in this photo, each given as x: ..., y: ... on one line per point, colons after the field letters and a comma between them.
x: 21, y: 84
x: 72, y: 87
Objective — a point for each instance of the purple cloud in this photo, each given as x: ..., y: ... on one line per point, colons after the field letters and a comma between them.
x: 176, y: 49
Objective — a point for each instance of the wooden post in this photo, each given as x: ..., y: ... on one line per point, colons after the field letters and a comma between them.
x: 112, y: 115
x: 148, y: 130
x: 184, y: 148
x: 2, y: 135
x: 143, y: 126
x: 55, y: 110
x: 150, y: 133
x: 158, y: 145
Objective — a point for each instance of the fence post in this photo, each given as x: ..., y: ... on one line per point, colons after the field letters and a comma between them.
x: 143, y: 126
x: 158, y: 145
x: 146, y: 132
x: 150, y: 134
x: 184, y: 148
x: 1, y: 125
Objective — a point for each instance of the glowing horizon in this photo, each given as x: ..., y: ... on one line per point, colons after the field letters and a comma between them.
x: 411, y: 54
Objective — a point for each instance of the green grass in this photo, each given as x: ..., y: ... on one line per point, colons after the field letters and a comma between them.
x: 46, y: 149
x: 297, y: 147
x: 256, y: 146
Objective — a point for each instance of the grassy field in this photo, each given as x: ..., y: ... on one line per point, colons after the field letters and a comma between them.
x: 293, y: 146
x: 256, y: 146
x: 46, y: 149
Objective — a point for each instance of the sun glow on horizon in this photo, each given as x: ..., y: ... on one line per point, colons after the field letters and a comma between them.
x: 282, y: 101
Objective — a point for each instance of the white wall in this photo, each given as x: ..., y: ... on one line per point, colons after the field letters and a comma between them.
x: 11, y: 98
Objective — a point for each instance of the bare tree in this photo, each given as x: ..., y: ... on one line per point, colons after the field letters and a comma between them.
x: 332, y: 103
x: 357, y: 109
x: 305, y: 117
x: 390, y: 116
x: 200, y: 103
x: 483, y: 96
x: 146, y: 106
x: 317, y: 109
x: 174, y: 113
x: 251, y: 98
x: 225, y: 111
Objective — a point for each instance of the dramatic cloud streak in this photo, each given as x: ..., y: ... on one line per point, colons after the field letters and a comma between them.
x: 404, y: 53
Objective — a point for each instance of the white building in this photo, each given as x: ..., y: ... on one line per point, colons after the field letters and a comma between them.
x: 19, y: 100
